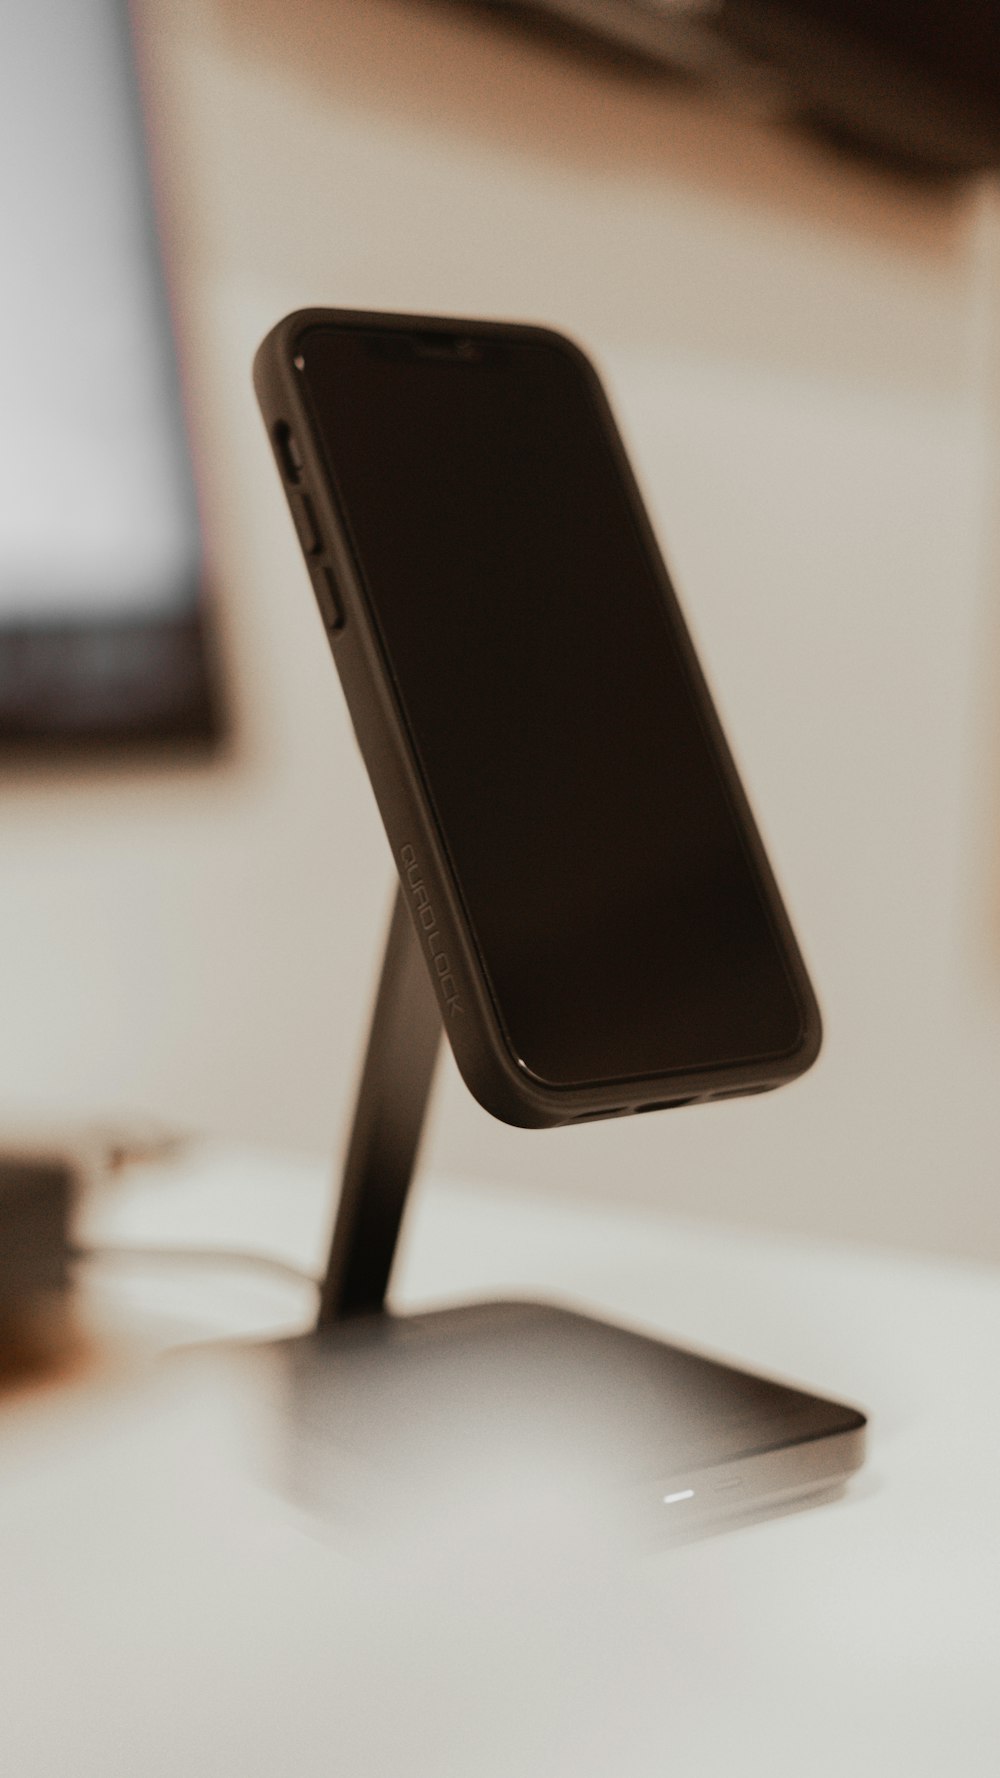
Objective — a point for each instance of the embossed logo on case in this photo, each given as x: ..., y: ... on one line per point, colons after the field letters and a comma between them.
x: 426, y: 917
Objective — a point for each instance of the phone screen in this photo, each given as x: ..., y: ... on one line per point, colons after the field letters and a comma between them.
x: 622, y: 924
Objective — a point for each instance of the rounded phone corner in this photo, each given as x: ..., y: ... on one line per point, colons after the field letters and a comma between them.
x: 502, y: 1088
x: 497, y: 1094
x: 279, y: 345
x: 811, y: 1040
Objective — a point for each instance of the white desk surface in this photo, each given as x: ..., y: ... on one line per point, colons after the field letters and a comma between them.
x: 163, y: 1612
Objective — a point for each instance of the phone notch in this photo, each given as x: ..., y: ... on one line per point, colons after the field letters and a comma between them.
x: 436, y: 347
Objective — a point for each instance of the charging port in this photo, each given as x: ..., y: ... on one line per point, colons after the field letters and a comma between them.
x: 669, y: 1104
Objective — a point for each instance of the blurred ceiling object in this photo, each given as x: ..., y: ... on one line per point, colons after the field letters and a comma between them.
x: 914, y: 84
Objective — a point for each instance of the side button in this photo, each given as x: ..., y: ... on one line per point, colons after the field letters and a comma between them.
x: 305, y: 523
x: 327, y: 597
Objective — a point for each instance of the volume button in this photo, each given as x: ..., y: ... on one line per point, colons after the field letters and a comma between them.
x: 305, y: 523
x: 327, y: 596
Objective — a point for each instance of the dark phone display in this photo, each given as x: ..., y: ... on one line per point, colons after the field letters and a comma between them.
x: 618, y: 915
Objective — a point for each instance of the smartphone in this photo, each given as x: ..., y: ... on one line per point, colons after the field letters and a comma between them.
x: 587, y: 884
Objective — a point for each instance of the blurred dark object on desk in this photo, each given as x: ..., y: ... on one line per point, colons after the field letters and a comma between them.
x: 916, y: 87
x: 37, y: 1194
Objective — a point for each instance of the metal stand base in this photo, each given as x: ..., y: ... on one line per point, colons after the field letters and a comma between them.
x: 379, y: 1409
x: 386, y: 1420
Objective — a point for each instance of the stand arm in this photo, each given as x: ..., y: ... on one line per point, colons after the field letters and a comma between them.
x: 389, y: 1113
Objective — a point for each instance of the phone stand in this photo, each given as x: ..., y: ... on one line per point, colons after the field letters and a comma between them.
x: 377, y: 1409
x: 403, y: 1044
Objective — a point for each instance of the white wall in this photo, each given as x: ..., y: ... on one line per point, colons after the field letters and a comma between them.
x: 801, y: 354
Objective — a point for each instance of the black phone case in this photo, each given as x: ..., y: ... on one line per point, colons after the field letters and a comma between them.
x: 472, y: 1021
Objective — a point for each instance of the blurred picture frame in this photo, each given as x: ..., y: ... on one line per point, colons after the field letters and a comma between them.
x: 106, y: 638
